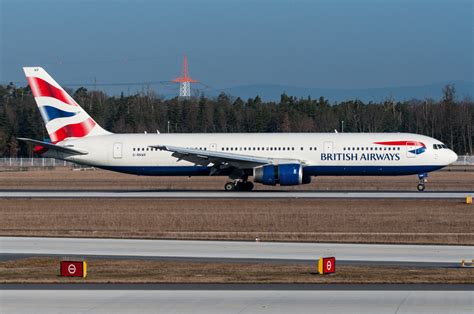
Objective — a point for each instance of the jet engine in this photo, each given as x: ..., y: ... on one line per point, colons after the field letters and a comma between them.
x: 284, y: 174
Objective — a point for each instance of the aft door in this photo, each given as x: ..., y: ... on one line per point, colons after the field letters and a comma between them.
x: 117, y: 150
x: 411, y: 149
x: 328, y: 147
x: 213, y: 147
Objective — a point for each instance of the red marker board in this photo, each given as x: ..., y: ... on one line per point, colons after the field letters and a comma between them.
x: 327, y: 265
x: 73, y: 269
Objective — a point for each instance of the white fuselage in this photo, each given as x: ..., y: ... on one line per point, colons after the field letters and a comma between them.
x: 321, y: 153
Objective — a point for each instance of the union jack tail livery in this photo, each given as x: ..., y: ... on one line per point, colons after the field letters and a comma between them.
x: 63, y: 117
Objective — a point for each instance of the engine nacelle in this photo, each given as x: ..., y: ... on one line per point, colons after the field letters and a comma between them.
x: 285, y: 174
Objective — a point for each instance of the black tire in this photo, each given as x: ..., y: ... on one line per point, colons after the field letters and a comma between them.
x: 248, y: 186
x: 420, y: 187
x: 229, y: 186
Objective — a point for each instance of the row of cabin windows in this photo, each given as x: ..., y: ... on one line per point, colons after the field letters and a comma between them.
x: 143, y: 149
x: 435, y: 146
x: 371, y: 148
x: 262, y: 148
x: 147, y: 149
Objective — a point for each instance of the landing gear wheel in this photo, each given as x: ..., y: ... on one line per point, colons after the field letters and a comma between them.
x: 249, y: 186
x: 246, y: 186
x: 238, y: 186
x: 420, y: 187
x: 229, y: 186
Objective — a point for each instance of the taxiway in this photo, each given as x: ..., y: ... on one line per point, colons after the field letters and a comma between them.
x: 239, y: 250
x: 236, y: 301
x: 235, y: 195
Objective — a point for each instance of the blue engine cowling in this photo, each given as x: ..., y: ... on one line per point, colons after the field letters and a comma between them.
x: 285, y: 174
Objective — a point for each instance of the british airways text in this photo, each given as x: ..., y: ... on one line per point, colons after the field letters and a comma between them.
x: 362, y: 156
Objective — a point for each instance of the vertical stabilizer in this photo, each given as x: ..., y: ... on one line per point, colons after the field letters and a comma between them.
x: 62, y: 116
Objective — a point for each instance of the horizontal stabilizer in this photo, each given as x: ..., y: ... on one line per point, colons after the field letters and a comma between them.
x: 62, y: 149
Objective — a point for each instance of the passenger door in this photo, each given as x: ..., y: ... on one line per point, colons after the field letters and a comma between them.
x: 117, y: 151
x: 328, y: 147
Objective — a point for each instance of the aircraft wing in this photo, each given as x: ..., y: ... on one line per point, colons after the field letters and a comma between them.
x: 220, y: 160
x: 62, y: 149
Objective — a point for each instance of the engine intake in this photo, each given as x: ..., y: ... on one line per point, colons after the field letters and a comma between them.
x: 285, y: 174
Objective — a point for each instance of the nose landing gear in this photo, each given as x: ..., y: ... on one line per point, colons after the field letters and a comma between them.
x: 422, y: 179
x: 238, y: 185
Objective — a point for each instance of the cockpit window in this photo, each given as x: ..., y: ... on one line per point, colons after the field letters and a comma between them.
x: 439, y: 146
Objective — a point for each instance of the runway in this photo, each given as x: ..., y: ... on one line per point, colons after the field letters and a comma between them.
x: 235, y: 195
x: 238, y: 301
x: 227, y: 250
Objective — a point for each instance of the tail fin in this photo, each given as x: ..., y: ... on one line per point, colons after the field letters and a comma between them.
x: 63, y: 117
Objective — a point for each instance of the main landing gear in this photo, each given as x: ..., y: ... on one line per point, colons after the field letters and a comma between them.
x: 422, y: 179
x: 238, y: 185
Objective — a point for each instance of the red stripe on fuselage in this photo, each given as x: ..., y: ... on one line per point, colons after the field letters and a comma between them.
x: 72, y: 130
x: 401, y: 143
x: 41, y: 88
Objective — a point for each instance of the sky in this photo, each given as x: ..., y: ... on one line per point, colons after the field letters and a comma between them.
x: 323, y: 44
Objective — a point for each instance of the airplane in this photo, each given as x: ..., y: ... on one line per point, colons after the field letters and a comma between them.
x: 283, y: 159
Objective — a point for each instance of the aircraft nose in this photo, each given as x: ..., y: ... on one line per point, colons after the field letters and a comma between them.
x: 452, y: 157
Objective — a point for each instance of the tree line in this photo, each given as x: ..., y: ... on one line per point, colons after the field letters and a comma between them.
x: 448, y: 119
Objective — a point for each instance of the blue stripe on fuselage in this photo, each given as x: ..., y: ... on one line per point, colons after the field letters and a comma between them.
x: 308, y: 170
x: 50, y: 113
x: 366, y: 170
